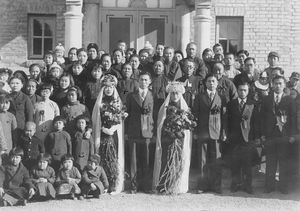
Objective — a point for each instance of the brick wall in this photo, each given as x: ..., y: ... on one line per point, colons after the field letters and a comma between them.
x: 14, y: 28
x: 269, y: 25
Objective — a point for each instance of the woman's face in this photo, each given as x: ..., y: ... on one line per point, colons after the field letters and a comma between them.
x: 106, y: 62
x: 35, y: 71
x: 42, y: 164
x: 207, y: 57
x: 109, y: 90
x: 174, y: 96
x: 64, y: 82
x: 73, y: 55
x: 72, y: 96
x: 16, y: 85
x: 135, y: 62
x: 118, y: 57
x: 178, y: 57
x: 158, y: 67
x: 97, y: 73
x: 160, y: 50
x: 169, y: 54
x: 31, y: 88
x: 82, y: 57
x: 127, y: 70
x: 68, y: 164
x: 92, y: 53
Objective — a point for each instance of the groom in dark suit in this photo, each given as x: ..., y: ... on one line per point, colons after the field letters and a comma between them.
x: 140, y: 130
x: 209, y: 109
x: 242, y: 131
x: 278, y: 113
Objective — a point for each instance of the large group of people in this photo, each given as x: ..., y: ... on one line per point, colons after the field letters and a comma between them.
x: 76, y: 125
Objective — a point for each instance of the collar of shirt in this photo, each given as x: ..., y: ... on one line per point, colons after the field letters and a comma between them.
x: 143, y: 90
x: 240, y: 99
x: 213, y: 92
x: 279, y: 96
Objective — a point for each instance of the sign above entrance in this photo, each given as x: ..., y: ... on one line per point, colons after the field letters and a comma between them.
x: 139, y: 3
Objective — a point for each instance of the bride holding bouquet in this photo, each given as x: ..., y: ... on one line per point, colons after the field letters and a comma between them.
x: 108, y: 116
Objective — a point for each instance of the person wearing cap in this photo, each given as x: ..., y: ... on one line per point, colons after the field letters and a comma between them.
x: 92, y: 51
x: 109, y: 138
x: 5, y: 74
x: 15, y: 184
x: 140, y: 130
x: 54, y: 73
x: 294, y: 83
x: 48, y: 61
x: 58, y: 142
x: 210, y: 110
x: 273, y: 60
x: 164, y: 144
x: 94, y: 179
x: 44, y: 112
x: 43, y: 177
x: 59, y: 52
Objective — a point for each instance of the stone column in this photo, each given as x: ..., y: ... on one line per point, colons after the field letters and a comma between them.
x: 73, y: 24
x: 202, y: 22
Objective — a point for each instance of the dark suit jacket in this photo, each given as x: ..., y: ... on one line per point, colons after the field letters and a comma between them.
x: 268, y: 116
x: 139, y: 113
x: 241, y: 123
x: 210, y: 124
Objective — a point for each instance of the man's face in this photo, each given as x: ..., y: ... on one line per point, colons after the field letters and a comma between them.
x: 191, y: 50
x: 250, y: 67
x: 144, y: 81
x: 29, y: 130
x: 59, y: 125
x: 135, y: 62
x: 273, y: 61
x: 81, y: 124
x: 294, y: 81
x: 118, y: 57
x: 243, y: 91
x: 92, y: 53
x: 160, y: 50
x: 15, y: 160
x: 169, y: 54
x: 211, y: 83
x: 158, y: 67
x: 106, y: 62
x: 72, y: 96
x: 189, y: 68
x: 35, y: 71
x: 31, y: 88
x: 229, y: 60
x: 279, y: 85
x: 218, y: 71
x: 45, y: 93
x: 48, y: 59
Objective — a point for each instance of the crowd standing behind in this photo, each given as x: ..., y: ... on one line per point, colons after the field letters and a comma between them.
x: 61, y: 133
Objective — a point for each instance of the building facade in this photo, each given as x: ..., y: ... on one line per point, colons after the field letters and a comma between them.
x: 28, y: 28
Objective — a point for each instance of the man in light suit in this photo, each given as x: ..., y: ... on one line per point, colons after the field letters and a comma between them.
x: 209, y: 108
x: 278, y: 113
x: 241, y: 132
x: 140, y: 130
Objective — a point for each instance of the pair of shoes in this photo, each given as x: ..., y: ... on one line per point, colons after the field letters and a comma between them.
x: 269, y: 190
x: 248, y: 190
x: 133, y: 191
x: 97, y: 196
x: 200, y: 191
x: 23, y: 202
x: 80, y: 197
x: 73, y: 196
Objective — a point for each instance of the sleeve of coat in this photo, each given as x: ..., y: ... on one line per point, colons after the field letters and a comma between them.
x: 69, y: 143
x: 196, y: 110
x: 3, y: 145
x: 29, y: 111
x: 104, y: 179
x: 52, y: 178
x: 78, y: 176
x: 85, y: 177
x: 26, y: 179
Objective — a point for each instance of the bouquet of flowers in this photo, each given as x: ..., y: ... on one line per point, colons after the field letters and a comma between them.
x: 112, y: 113
x: 177, y: 121
x: 215, y: 110
x: 281, y: 117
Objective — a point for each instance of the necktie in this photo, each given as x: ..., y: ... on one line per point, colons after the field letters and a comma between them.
x: 242, y: 105
x: 143, y: 95
x: 211, y: 97
x: 277, y: 99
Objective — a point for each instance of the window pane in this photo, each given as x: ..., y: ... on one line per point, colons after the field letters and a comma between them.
x: 154, y: 30
x: 37, y: 46
x: 123, y: 3
x: 48, y: 44
x: 48, y: 31
x: 109, y: 3
x: 118, y: 30
x: 152, y: 3
x: 166, y: 3
x: 224, y: 44
x: 233, y: 46
x: 37, y: 28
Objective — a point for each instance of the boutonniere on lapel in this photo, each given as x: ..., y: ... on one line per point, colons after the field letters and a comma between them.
x: 281, y: 118
x: 215, y: 110
x: 221, y: 89
x: 146, y: 110
x: 244, y: 119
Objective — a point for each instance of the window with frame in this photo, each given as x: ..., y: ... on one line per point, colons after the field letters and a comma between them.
x: 41, y: 35
x: 229, y: 33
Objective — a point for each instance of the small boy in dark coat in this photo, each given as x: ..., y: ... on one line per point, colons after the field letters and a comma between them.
x: 15, y: 185
x: 94, y: 179
x: 58, y: 142
x: 31, y: 145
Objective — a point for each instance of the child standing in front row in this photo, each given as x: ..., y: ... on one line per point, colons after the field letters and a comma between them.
x: 8, y: 120
x: 94, y: 179
x: 84, y: 147
x: 43, y: 177
x: 68, y: 178
x: 58, y: 142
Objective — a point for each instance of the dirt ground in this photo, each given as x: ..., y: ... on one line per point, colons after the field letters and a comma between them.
x: 189, y: 201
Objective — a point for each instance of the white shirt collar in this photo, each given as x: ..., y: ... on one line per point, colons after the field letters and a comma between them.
x: 279, y: 96
x: 240, y: 99
x: 208, y: 92
x: 143, y: 90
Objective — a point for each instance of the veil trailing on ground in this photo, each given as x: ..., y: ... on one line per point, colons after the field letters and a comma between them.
x: 96, y: 118
x: 183, y: 184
